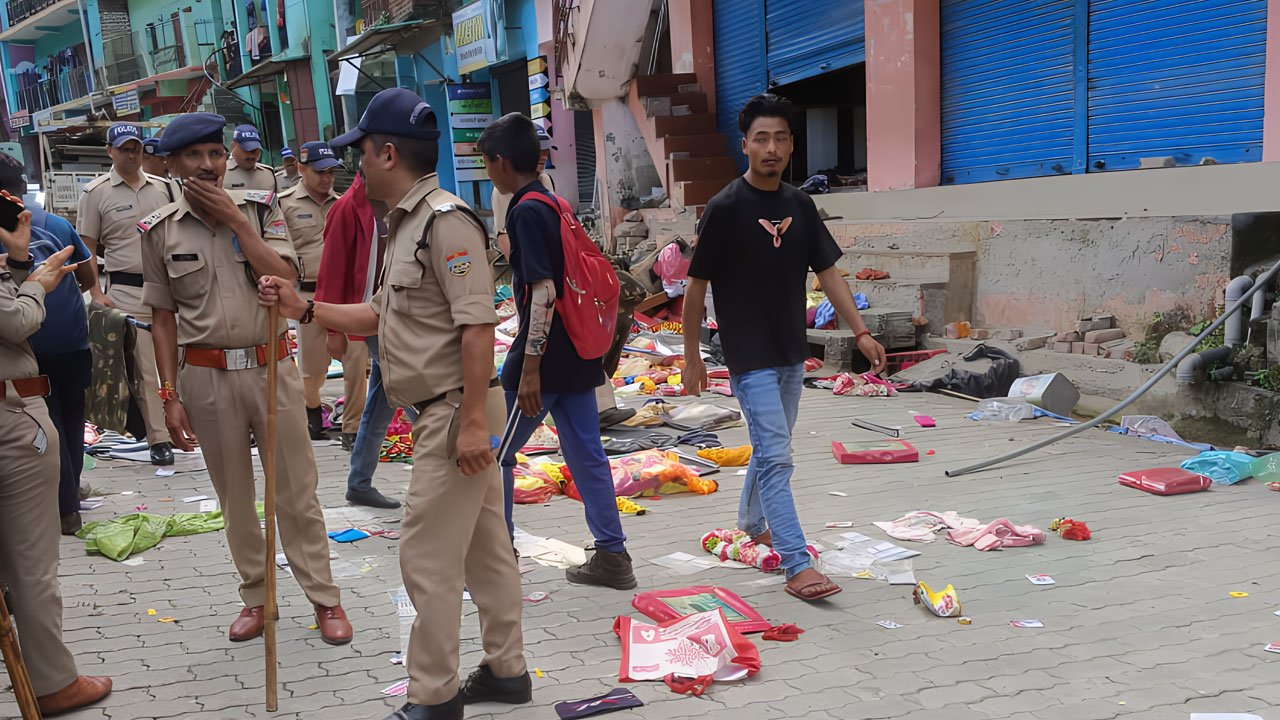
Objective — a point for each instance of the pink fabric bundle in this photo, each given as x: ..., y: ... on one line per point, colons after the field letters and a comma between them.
x: 996, y: 535
x: 738, y: 545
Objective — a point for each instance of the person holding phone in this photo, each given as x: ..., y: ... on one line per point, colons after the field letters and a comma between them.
x: 29, y: 462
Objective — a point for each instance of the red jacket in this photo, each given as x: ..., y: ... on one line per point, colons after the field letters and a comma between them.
x: 348, y: 237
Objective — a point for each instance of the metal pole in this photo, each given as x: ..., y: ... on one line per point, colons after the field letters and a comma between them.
x: 1259, y: 284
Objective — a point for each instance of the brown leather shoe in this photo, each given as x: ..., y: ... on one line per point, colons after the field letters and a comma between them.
x: 335, y: 629
x: 248, y: 626
x: 85, y: 691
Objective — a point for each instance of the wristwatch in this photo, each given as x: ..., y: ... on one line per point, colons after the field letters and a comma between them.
x: 27, y: 264
x: 309, y: 314
x: 167, y: 391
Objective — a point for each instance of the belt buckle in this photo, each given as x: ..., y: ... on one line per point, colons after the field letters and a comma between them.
x: 241, y: 359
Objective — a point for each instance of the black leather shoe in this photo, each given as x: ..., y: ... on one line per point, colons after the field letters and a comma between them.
x: 71, y: 523
x: 371, y: 498
x: 162, y: 454
x: 348, y: 441
x: 604, y: 569
x: 484, y: 686
x: 451, y: 710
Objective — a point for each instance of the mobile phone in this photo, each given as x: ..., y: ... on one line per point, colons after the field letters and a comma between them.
x: 10, y: 209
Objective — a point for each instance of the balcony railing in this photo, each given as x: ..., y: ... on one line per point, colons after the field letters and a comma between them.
x: 54, y: 91
x: 19, y: 10
x: 157, y: 49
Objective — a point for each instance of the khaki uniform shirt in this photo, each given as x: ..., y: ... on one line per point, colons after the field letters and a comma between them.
x: 502, y: 202
x: 261, y: 177
x: 429, y: 294
x: 284, y: 181
x: 21, y: 315
x: 198, y: 272
x: 109, y: 212
x: 305, y: 220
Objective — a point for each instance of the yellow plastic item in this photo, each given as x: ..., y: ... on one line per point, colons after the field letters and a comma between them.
x: 674, y: 379
x: 727, y: 457
x: 628, y: 507
x: 1239, y: 594
x: 647, y: 386
x: 942, y: 604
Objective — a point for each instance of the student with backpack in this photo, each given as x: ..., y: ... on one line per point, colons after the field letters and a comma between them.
x: 567, y: 296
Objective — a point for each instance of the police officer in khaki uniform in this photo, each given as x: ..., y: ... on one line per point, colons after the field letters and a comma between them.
x: 153, y: 162
x: 108, y: 215
x: 202, y: 256
x: 305, y: 207
x: 29, y: 461
x: 287, y: 176
x: 434, y: 317
x: 248, y: 173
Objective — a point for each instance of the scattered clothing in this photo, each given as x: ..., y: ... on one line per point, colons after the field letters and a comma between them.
x: 727, y: 457
x: 924, y: 525
x: 871, y: 274
x: 120, y: 537
x: 997, y: 535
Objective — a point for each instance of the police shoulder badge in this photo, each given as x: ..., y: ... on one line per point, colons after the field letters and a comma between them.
x: 458, y: 263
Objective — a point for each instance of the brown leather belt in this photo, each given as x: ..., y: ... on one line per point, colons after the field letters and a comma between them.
x: 238, y: 359
x: 37, y: 386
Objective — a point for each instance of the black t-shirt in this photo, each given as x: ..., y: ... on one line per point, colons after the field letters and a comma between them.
x: 758, y: 285
x: 537, y: 253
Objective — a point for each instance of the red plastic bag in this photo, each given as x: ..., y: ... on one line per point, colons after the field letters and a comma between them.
x: 1166, y: 481
x: 691, y: 647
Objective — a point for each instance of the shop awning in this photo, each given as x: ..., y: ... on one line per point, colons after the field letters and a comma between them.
x: 374, y: 38
x: 259, y: 73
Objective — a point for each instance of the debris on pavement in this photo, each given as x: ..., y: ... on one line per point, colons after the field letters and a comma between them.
x: 701, y: 644
x: 888, y: 624
x: 1071, y: 529
x: 996, y: 535
x: 1041, y: 580
x: 875, y: 452
x: 612, y: 701
x: 737, y: 545
x: 1027, y: 623
x: 668, y: 605
x: 1166, y: 481
x: 924, y: 525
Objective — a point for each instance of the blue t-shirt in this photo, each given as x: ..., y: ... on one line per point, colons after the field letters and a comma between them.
x: 60, y: 228
x: 66, y: 323
x: 537, y: 253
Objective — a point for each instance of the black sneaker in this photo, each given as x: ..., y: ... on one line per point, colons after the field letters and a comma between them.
x: 371, y: 498
x: 71, y: 523
x: 315, y: 424
x: 162, y: 454
x: 605, y: 569
x: 348, y: 441
x: 484, y: 686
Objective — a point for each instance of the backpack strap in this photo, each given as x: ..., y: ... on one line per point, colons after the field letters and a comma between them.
x: 431, y: 219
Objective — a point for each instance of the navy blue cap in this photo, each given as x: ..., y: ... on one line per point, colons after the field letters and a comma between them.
x: 318, y: 155
x: 192, y: 128
x: 394, y: 111
x: 151, y: 146
x: 247, y: 137
x: 121, y: 133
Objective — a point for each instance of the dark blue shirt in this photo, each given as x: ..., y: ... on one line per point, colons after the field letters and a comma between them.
x: 66, y: 323
x: 537, y: 254
x: 60, y: 228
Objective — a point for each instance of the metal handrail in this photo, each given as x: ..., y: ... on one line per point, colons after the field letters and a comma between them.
x: 262, y: 115
x: 19, y: 10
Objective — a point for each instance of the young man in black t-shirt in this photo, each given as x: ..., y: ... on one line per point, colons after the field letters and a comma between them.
x: 543, y: 372
x: 757, y: 241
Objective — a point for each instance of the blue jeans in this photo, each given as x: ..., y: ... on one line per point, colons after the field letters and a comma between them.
x: 578, y: 424
x: 770, y: 401
x: 373, y: 427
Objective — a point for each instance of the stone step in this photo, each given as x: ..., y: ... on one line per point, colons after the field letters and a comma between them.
x: 703, y: 168
x: 705, y: 145
x: 663, y: 85
x: 699, y: 124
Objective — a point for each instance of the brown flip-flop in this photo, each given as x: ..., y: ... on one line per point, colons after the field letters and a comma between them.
x: 828, y: 589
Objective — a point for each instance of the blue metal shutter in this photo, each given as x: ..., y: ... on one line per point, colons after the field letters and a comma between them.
x: 811, y: 37
x: 1008, y: 94
x: 1175, y: 78
x: 740, y: 68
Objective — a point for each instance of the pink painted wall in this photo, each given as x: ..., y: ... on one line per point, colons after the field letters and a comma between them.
x: 904, y: 94
x: 693, y: 43
x: 1271, y: 113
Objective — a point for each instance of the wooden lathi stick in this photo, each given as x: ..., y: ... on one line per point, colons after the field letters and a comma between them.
x: 270, y: 610
x: 22, y: 689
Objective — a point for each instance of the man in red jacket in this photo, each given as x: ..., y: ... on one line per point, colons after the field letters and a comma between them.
x: 354, y: 240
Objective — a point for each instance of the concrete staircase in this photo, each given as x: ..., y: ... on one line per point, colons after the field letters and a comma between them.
x: 680, y: 132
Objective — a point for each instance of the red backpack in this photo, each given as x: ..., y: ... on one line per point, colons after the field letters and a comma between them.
x: 588, y: 306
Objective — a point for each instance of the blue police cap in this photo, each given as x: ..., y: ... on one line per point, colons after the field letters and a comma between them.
x: 286, y: 153
x: 394, y: 111
x: 247, y: 137
x: 121, y: 133
x: 318, y: 156
x: 151, y: 146
x: 190, y: 129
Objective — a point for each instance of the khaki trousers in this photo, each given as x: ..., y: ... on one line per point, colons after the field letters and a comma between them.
x: 223, y: 406
x: 455, y: 532
x: 29, y: 537
x: 313, y: 361
x: 145, y: 382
